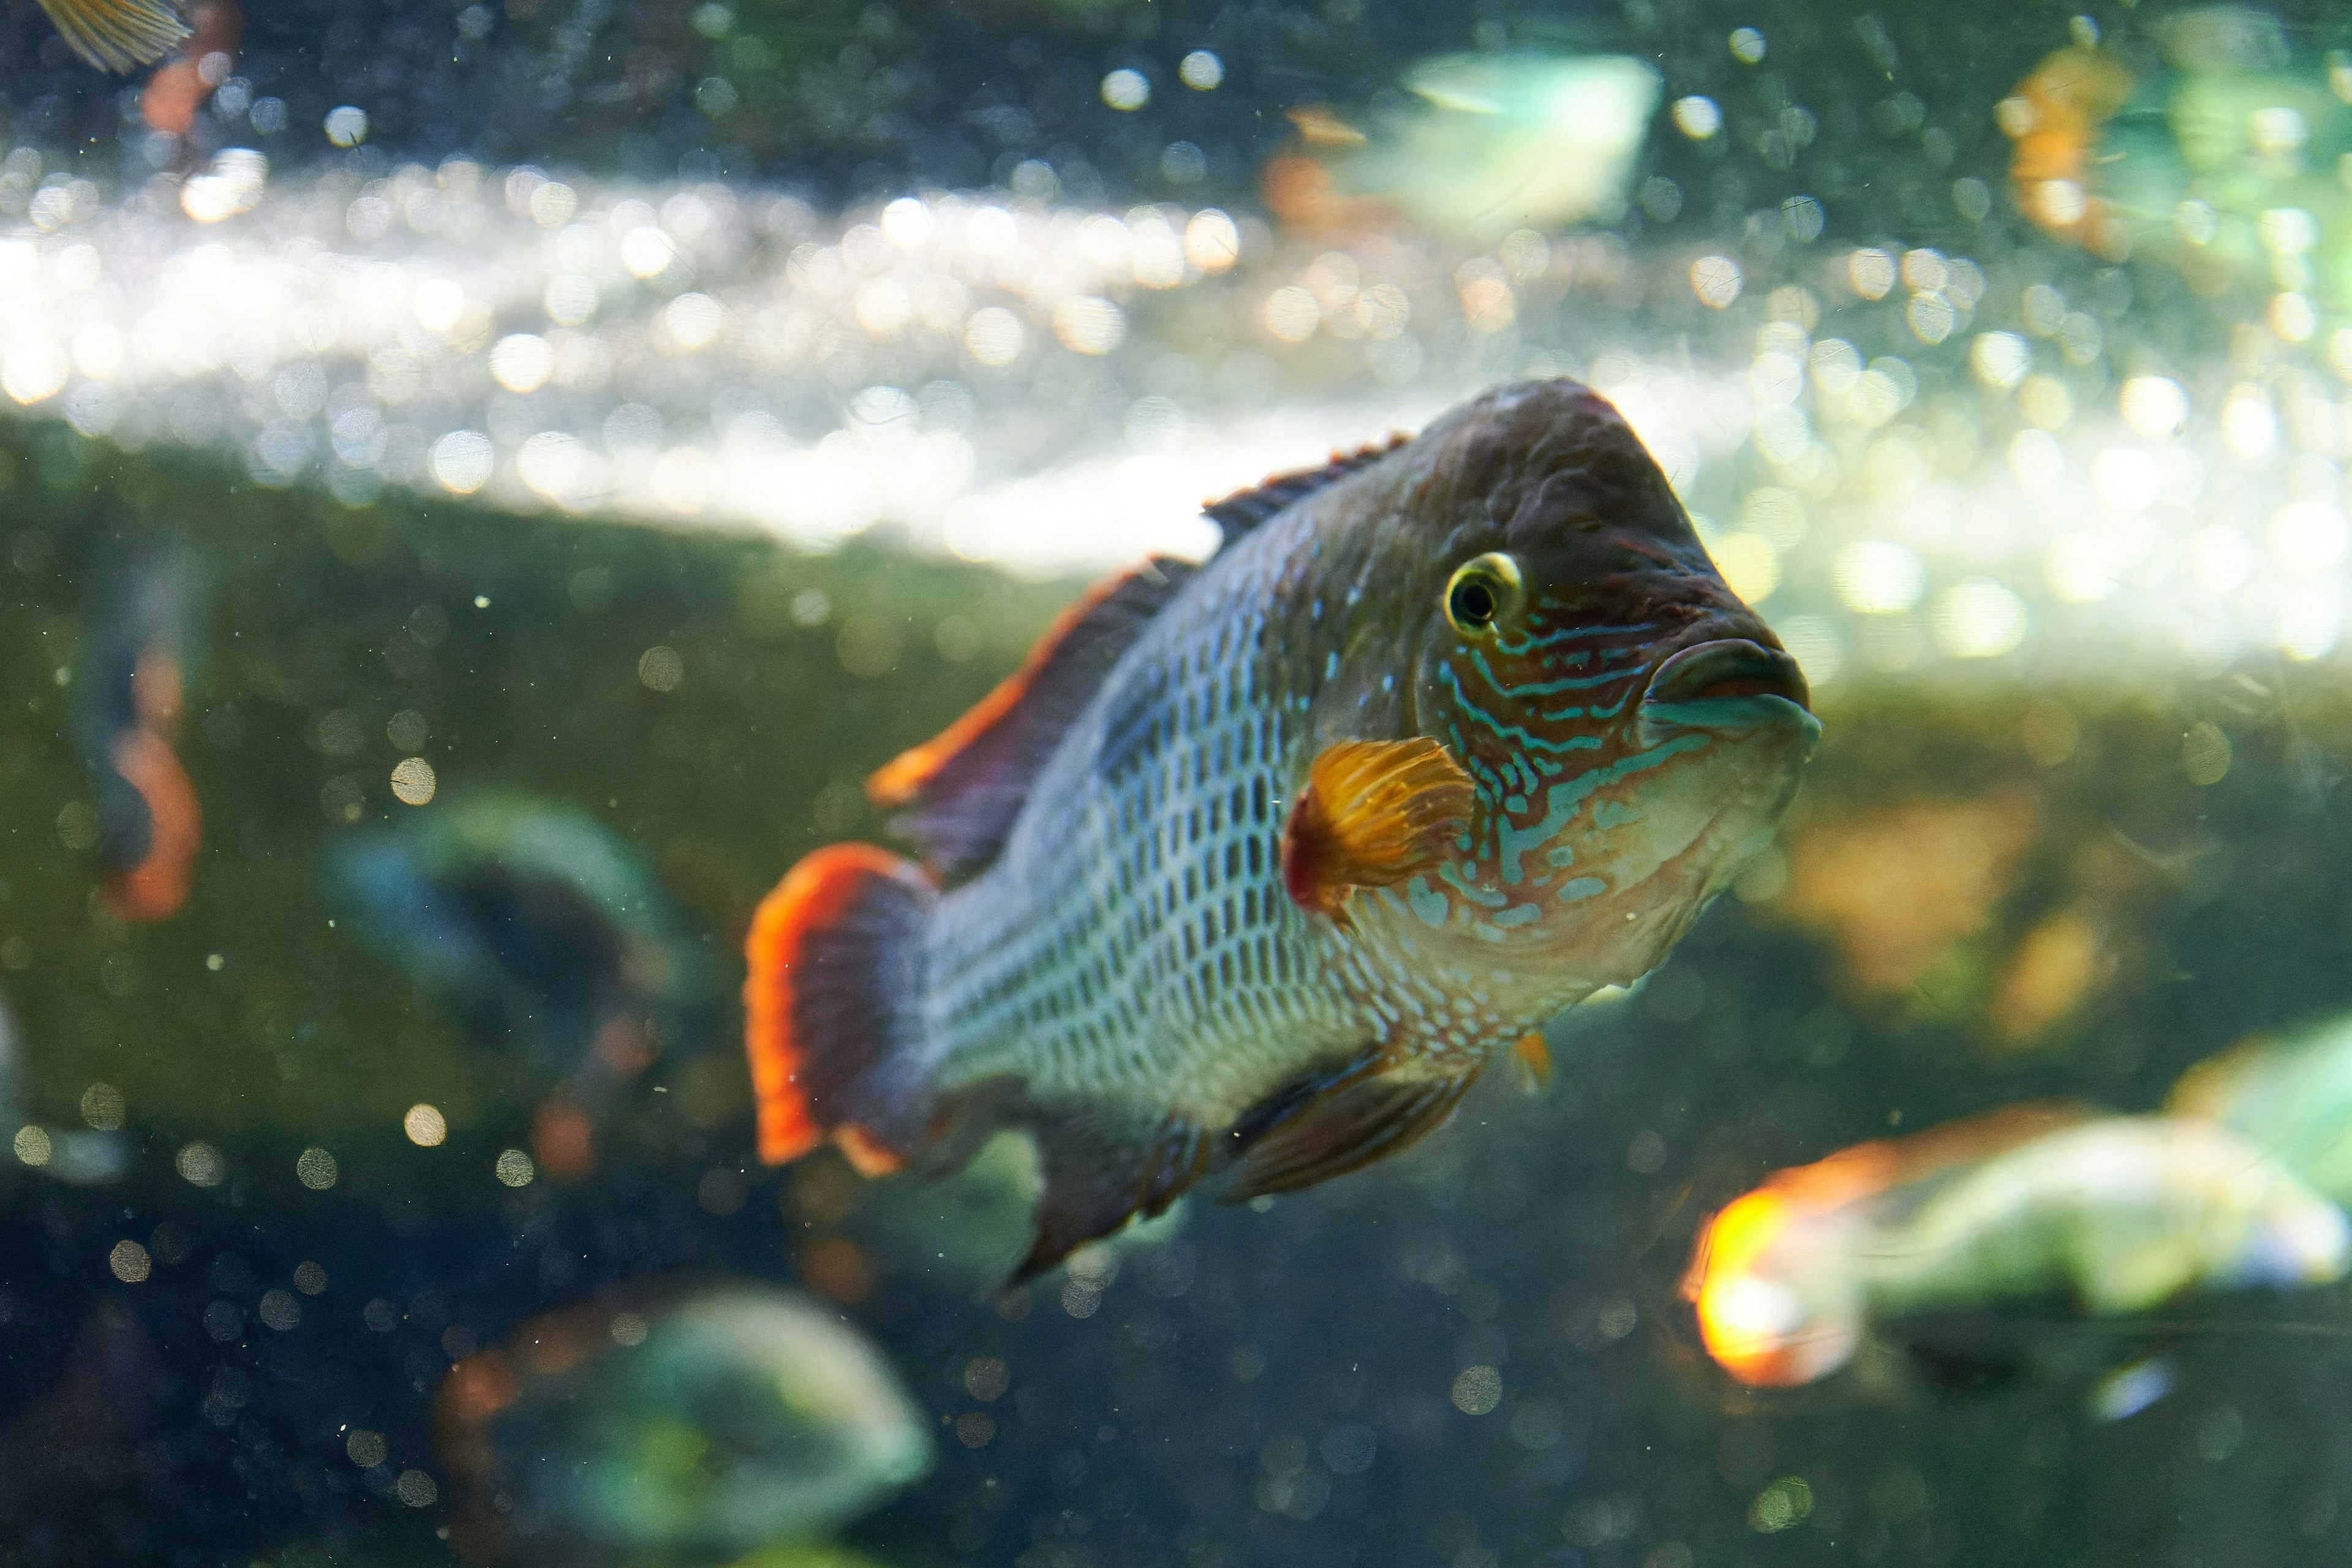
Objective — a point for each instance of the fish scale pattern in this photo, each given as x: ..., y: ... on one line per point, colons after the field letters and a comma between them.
x: 1135, y: 936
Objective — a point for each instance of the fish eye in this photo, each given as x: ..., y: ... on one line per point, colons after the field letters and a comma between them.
x: 1481, y: 590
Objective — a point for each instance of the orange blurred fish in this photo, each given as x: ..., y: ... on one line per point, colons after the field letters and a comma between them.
x: 150, y: 821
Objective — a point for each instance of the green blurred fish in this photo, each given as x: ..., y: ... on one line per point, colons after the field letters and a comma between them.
x: 1259, y: 864
x: 2222, y: 156
x: 686, y: 1427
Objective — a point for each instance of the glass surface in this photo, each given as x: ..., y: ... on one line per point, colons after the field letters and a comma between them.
x: 485, y: 485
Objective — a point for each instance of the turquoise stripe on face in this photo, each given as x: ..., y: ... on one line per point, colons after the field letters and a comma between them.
x: 1550, y: 687
x: 1513, y: 732
x: 1560, y: 801
x: 1570, y: 634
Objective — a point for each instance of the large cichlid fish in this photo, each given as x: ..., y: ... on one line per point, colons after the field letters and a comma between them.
x: 1257, y: 864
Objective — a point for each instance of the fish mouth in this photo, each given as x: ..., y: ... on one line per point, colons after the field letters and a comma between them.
x: 1732, y: 683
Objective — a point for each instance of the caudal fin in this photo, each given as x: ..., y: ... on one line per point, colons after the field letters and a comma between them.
x: 831, y: 1008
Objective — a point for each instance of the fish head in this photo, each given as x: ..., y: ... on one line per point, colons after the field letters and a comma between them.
x: 1635, y: 732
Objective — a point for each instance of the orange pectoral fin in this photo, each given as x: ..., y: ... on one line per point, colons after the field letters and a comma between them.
x: 1373, y: 814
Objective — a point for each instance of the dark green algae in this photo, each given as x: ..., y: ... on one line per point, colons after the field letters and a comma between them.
x: 1208, y: 1405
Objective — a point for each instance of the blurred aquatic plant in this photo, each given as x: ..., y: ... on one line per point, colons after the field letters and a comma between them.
x: 1495, y: 142
x: 678, y: 1425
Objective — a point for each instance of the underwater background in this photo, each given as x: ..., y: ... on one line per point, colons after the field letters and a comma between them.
x: 568, y: 478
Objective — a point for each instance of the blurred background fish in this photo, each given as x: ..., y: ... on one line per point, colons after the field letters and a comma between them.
x: 1491, y: 142
x: 2238, y: 1185
x: 673, y: 1426
x: 150, y: 823
x: 2219, y: 156
x: 548, y: 935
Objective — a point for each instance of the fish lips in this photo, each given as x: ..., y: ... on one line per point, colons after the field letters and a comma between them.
x: 1730, y: 685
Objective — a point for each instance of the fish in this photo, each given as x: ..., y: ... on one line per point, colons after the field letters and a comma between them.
x: 2122, y: 1212
x: 117, y: 36
x: 675, y: 1423
x: 540, y: 924
x: 150, y: 821
x: 2217, y: 157
x: 1255, y: 866
x: 1489, y: 142
x: 2290, y: 1092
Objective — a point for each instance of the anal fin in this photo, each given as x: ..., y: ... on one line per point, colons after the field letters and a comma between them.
x: 1328, y: 1124
x: 1100, y: 1171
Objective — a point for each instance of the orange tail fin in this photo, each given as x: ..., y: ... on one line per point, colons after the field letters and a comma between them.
x: 830, y: 1007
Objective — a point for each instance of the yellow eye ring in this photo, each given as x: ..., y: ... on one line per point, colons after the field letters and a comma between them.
x: 1480, y: 591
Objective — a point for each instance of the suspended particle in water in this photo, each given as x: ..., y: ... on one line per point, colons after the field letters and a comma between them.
x: 1201, y: 70
x: 1477, y: 1390
x: 316, y: 1169
x: 278, y: 1310
x: 514, y: 1168
x: 2205, y: 753
x: 1783, y: 1505
x: 661, y: 669
x: 201, y: 1165
x: 628, y: 1329
x: 310, y: 1278
x: 101, y: 1107
x: 1125, y: 91
x: 425, y: 1126
x: 413, y: 781
x: 986, y: 1377
x: 415, y: 1489
x: 130, y: 1262
x: 366, y: 1448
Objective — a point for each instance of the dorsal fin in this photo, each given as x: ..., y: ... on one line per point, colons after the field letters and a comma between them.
x: 961, y: 789
x: 1240, y: 514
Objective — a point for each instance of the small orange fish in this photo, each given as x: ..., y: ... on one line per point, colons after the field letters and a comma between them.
x: 1255, y: 865
x: 150, y: 824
